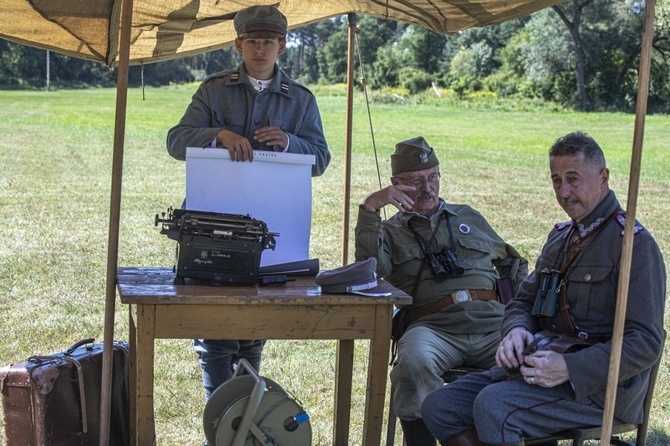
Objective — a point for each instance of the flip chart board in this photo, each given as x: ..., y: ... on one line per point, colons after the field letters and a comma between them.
x: 275, y: 187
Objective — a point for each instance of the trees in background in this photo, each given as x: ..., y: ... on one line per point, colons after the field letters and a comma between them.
x: 582, y: 54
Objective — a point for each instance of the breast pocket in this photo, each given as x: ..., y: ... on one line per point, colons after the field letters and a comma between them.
x: 406, y: 264
x: 230, y: 119
x: 287, y: 126
x: 474, y: 252
x: 590, y: 289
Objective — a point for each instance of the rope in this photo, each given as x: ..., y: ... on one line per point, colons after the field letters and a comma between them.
x: 367, y: 104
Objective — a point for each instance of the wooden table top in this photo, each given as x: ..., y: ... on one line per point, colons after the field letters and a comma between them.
x: 147, y: 285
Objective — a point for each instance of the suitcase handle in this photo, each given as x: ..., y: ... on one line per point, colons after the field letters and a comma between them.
x: 68, y: 352
x: 78, y: 344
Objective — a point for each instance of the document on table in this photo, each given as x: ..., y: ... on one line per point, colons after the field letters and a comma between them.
x: 275, y: 188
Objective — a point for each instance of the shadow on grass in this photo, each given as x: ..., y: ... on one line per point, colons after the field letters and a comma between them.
x: 657, y: 437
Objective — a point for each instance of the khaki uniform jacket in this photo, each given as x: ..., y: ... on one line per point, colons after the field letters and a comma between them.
x: 591, y: 292
x: 478, y: 247
x: 227, y: 100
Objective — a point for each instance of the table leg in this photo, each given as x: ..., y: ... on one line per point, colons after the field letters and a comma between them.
x: 377, y: 373
x: 146, y: 433
x: 132, y: 373
x: 344, y: 371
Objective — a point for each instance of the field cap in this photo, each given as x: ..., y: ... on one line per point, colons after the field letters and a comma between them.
x: 356, y: 278
x: 260, y: 18
x: 413, y: 155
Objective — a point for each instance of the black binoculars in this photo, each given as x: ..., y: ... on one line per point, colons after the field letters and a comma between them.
x: 444, y: 264
x: 546, y: 301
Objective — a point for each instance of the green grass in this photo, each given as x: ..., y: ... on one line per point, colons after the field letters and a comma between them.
x: 55, y: 178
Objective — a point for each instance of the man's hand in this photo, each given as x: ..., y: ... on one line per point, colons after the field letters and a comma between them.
x: 510, y: 352
x: 238, y: 146
x: 271, y: 136
x: 545, y: 368
x: 394, y: 195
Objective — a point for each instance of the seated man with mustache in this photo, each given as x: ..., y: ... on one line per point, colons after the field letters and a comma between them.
x: 554, y: 390
x: 448, y: 258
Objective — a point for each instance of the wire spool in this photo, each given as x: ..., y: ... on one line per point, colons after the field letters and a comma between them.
x: 276, y: 420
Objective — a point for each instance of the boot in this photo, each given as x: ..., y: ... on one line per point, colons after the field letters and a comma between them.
x: 416, y: 433
x: 465, y: 438
x: 470, y: 438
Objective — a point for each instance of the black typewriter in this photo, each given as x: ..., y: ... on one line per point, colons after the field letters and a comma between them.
x: 214, y: 247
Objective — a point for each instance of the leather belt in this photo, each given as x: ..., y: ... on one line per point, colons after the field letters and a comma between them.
x: 598, y: 339
x: 453, y: 298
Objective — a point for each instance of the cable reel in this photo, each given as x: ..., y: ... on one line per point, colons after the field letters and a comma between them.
x: 251, y: 410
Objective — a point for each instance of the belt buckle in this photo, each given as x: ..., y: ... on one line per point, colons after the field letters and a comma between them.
x: 461, y: 296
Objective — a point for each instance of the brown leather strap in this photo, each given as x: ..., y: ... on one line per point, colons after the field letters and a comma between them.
x: 449, y: 299
x: 598, y: 338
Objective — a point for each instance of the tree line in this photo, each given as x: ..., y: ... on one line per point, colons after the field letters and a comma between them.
x: 583, y: 54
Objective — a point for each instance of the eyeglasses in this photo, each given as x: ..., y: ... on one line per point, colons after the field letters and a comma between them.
x: 433, y: 178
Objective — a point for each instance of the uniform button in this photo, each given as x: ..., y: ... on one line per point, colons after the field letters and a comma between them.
x: 587, y: 277
x: 553, y: 327
x: 226, y: 121
x: 257, y: 121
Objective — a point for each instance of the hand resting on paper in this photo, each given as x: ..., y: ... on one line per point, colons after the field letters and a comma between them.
x: 239, y: 147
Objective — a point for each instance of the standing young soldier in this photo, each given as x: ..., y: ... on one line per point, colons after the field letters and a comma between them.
x: 255, y: 107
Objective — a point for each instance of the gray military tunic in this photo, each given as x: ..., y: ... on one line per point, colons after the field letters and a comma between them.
x: 510, y: 410
x: 227, y: 100
x: 592, y: 290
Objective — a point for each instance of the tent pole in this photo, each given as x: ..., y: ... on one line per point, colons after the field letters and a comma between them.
x: 348, y: 137
x: 627, y: 251
x: 114, y: 218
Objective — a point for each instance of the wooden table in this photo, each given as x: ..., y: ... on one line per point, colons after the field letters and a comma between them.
x: 297, y: 310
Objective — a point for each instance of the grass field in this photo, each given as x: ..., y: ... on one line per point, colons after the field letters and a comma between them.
x: 55, y: 177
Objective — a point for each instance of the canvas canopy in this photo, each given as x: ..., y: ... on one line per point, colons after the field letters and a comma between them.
x: 121, y: 33
x: 168, y: 29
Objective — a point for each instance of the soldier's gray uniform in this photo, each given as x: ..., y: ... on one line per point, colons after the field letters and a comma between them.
x: 592, y: 283
x: 460, y: 334
x: 227, y: 100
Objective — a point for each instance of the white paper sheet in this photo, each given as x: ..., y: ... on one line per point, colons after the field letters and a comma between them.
x: 275, y: 188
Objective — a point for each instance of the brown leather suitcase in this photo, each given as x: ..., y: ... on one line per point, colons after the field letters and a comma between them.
x: 55, y: 400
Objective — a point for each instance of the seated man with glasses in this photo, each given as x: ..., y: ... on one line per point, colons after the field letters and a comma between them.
x: 450, y: 260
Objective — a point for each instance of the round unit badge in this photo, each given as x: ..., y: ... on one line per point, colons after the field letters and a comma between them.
x: 465, y: 229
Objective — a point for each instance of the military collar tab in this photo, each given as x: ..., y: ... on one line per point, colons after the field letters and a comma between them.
x: 586, y: 230
x: 563, y: 225
x: 621, y: 220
